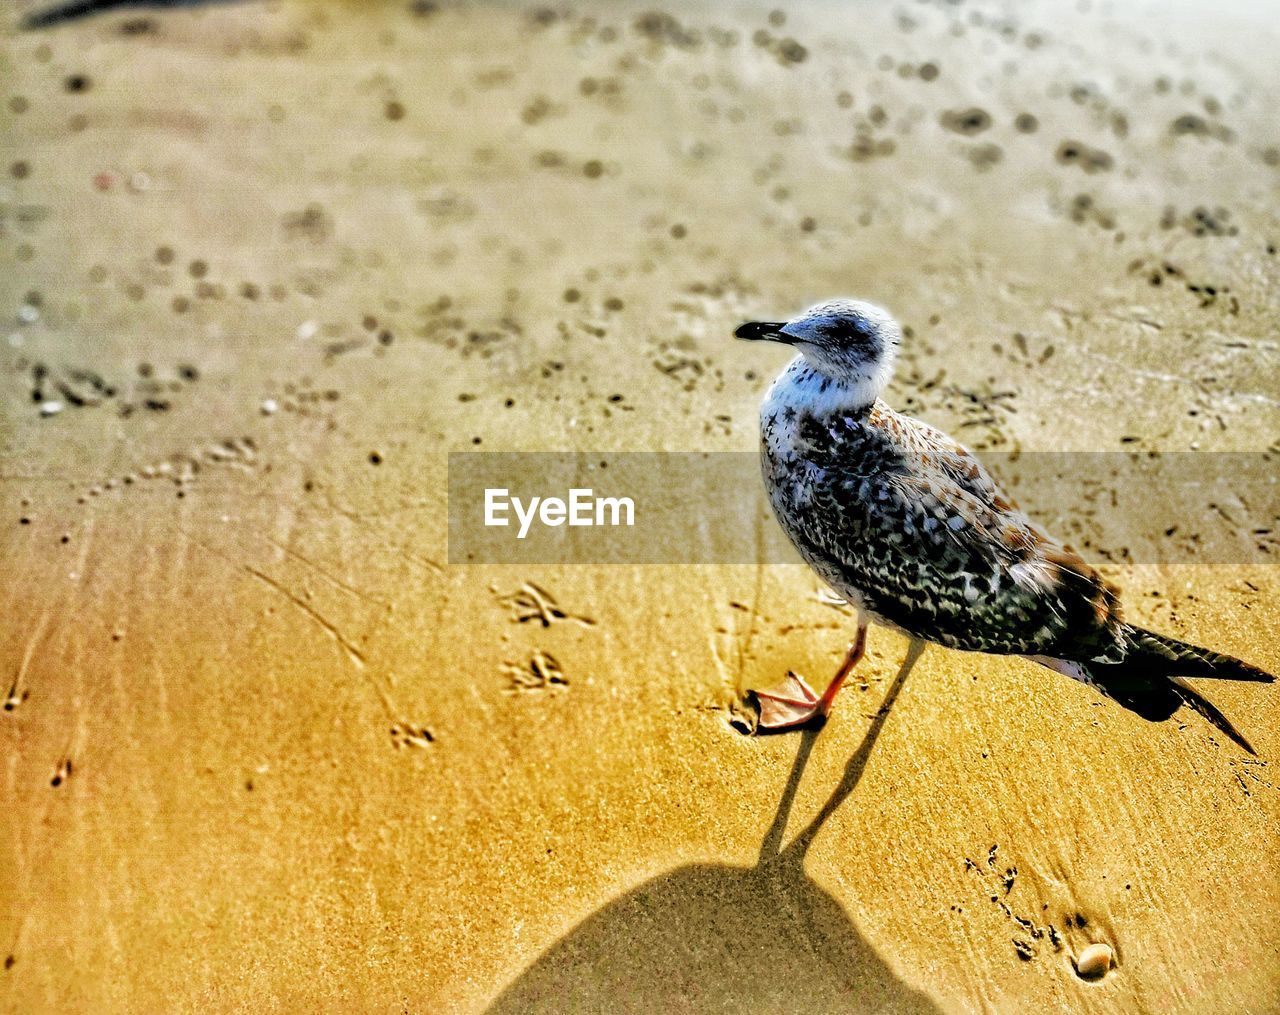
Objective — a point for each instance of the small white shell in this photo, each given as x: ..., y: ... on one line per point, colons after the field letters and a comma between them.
x: 1094, y: 961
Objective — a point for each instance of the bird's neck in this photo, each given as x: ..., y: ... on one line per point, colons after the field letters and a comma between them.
x: 821, y: 394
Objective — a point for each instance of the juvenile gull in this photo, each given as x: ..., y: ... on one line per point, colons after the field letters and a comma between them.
x: 907, y: 526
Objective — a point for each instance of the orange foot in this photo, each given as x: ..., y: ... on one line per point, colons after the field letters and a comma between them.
x: 794, y: 703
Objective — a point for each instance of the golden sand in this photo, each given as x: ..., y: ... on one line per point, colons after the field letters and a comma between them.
x: 264, y: 265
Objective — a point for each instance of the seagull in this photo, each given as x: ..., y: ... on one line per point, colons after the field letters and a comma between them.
x: 906, y: 525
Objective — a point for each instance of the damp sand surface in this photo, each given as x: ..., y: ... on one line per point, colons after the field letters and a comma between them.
x: 263, y: 265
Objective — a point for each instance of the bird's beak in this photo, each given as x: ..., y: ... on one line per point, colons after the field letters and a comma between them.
x: 763, y: 331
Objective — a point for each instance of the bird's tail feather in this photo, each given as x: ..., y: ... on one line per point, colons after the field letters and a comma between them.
x: 1149, y: 679
x: 1209, y: 710
x: 1178, y: 658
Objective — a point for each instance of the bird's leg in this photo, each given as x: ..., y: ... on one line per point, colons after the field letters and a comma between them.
x: 851, y: 659
x: 794, y: 702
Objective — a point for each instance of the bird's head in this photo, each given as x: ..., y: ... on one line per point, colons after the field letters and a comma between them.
x: 849, y: 341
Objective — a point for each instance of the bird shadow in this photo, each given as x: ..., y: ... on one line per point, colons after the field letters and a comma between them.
x: 716, y: 937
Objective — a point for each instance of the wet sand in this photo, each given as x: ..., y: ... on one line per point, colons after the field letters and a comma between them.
x: 264, y: 265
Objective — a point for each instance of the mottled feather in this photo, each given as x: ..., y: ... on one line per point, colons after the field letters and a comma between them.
x: 904, y: 522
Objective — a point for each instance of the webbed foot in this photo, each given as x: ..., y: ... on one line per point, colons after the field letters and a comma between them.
x: 790, y: 704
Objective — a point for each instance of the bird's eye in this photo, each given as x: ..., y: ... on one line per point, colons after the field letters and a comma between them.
x: 844, y: 331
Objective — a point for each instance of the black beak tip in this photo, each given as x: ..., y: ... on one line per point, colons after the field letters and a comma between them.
x: 761, y: 331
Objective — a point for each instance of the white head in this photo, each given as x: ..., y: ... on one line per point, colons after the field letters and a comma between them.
x: 849, y: 341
